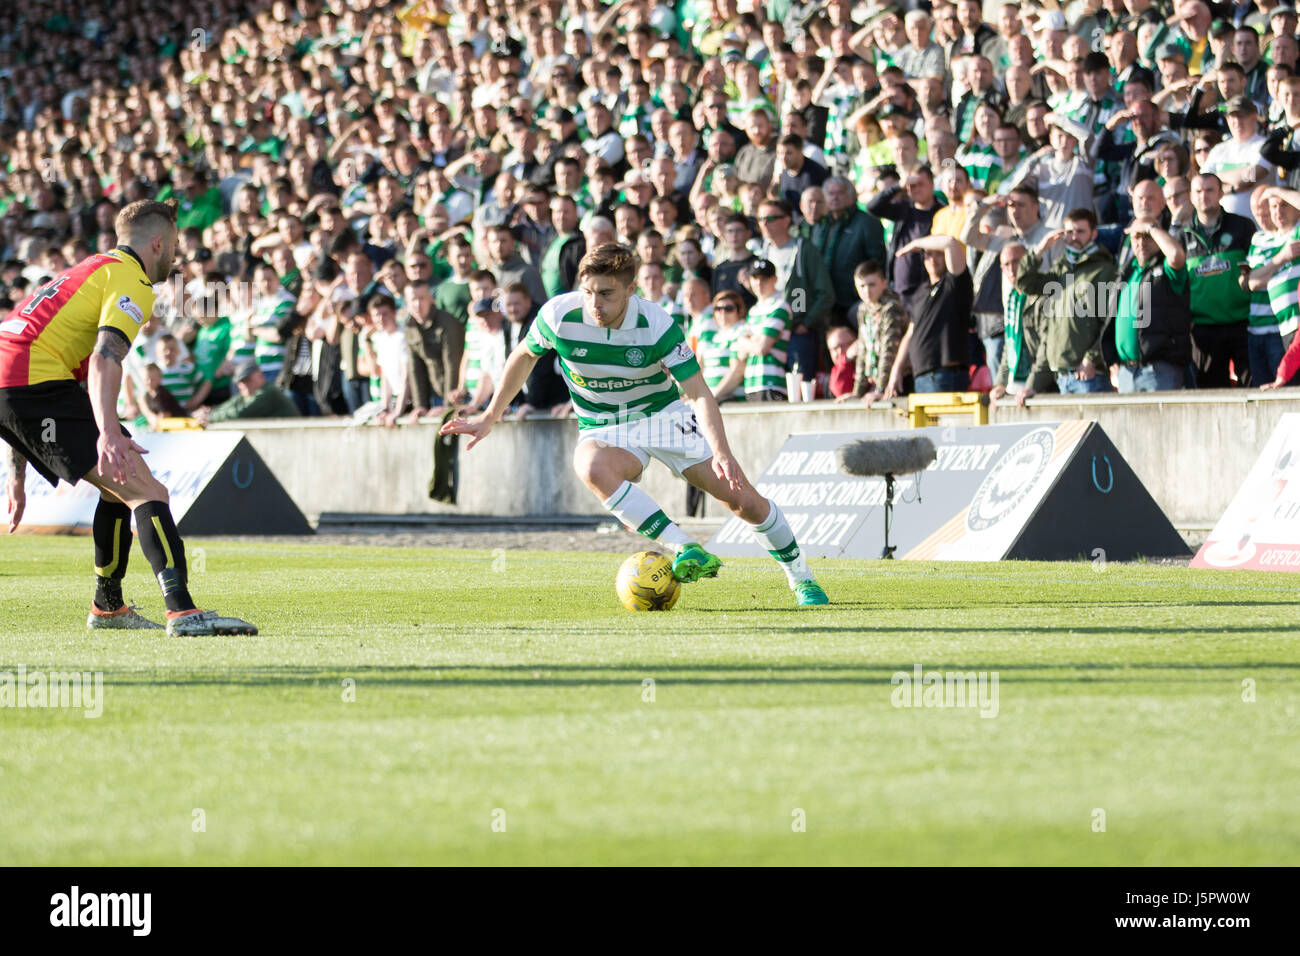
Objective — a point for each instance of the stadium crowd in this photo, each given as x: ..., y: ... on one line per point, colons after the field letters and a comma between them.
x: 375, y: 199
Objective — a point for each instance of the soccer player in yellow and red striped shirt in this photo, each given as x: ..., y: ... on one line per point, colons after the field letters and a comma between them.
x: 77, y: 328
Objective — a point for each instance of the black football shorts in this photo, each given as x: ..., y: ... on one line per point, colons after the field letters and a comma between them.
x: 53, y: 426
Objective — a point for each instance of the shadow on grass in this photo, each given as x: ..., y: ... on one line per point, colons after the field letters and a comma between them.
x: 625, y: 675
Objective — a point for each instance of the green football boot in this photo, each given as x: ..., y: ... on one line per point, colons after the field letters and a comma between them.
x: 810, y: 593
x: 693, y: 563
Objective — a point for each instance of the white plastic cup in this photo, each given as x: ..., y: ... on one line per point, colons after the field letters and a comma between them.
x: 793, y: 385
x: 809, y: 389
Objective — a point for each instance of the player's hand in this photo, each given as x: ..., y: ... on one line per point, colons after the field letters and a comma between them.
x: 476, y: 427
x: 727, y: 468
x: 115, y: 456
x: 16, y: 492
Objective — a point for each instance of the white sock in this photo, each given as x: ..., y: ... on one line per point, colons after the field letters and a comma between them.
x: 776, y: 536
x: 638, y: 511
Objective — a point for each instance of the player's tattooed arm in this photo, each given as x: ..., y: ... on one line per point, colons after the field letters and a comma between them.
x: 112, y: 345
x: 15, y: 489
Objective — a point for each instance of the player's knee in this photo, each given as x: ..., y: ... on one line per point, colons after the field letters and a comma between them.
x: 151, y: 489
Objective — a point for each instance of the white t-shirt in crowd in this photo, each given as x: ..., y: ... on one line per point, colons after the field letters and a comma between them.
x: 1229, y: 156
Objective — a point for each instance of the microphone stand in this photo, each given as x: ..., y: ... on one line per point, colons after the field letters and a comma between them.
x: 888, y: 552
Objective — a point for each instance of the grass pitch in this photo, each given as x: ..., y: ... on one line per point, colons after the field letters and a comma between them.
x: 502, y: 715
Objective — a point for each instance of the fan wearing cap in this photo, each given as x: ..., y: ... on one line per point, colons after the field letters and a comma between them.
x: 625, y: 361
x: 1237, y: 160
x: 257, y: 398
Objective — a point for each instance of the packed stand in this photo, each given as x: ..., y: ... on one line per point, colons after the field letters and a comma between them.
x: 833, y: 199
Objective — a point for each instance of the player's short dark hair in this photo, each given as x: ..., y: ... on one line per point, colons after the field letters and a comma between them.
x: 144, y: 217
x: 611, y: 259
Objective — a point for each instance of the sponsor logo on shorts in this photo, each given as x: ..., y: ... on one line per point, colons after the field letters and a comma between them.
x: 635, y: 357
x: 131, y: 309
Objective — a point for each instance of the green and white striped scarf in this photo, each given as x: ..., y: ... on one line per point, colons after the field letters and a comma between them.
x: 1075, y: 256
x: 1013, y: 304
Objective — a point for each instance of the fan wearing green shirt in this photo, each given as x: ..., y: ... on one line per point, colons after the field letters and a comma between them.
x: 453, y: 294
x: 197, y: 205
x: 1149, y: 336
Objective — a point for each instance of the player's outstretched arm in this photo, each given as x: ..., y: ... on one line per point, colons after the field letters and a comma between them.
x: 517, y: 369
x: 707, y: 414
x: 104, y: 382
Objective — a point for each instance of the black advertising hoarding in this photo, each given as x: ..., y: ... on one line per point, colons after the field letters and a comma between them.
x: 1046, y: 490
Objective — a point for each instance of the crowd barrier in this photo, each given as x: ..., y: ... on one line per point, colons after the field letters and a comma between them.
x: 1192, y: 451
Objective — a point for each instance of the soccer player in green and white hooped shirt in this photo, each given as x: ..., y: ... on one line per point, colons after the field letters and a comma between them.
x: 623, y: 359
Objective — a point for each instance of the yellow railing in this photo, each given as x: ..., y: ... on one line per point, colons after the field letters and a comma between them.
x: 178, y: 425
x: 924, y: 409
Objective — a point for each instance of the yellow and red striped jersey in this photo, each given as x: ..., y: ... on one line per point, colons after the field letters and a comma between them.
x: 50, y: 334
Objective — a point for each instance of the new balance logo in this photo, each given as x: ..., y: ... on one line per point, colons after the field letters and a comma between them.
x: 579, y: 353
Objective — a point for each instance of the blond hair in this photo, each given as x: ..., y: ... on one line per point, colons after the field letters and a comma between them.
x: 144, y: 219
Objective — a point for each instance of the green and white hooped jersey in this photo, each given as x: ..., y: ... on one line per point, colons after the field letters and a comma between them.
x: 182, y: 381
x: 615, y: 376
x: 1263, y: 246
x: 269, y: 313
x: 676, y: 311
x: 716, y: 349
x: 772, y: 318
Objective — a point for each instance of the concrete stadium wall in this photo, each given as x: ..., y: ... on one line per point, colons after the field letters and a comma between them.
x: 1192, y: 451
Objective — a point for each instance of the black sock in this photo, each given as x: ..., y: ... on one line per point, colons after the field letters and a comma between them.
x: 161, y: 544
x: 112, y: 533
